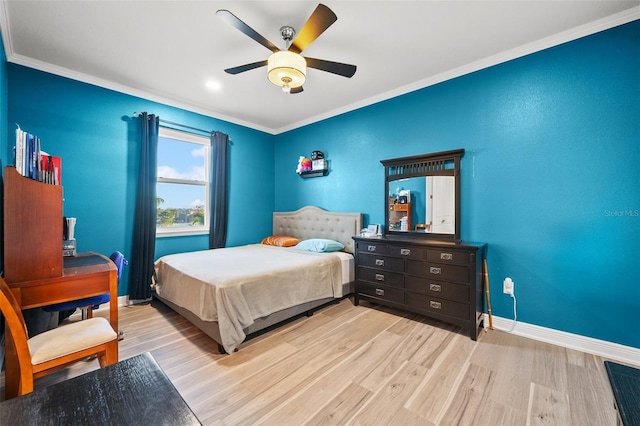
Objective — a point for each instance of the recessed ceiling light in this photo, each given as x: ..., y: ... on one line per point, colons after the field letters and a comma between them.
x: 213, y: 85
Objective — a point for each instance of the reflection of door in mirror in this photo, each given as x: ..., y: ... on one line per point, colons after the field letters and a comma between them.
x: 441, y: 208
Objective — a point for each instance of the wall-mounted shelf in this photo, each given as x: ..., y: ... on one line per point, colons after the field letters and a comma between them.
x: 313, y: 173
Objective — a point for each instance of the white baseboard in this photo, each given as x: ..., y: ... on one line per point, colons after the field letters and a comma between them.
x: 125, y: 301
x: 609, y: 350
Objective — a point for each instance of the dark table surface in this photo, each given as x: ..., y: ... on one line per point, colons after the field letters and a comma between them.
x: 133, y: 391
x: 625, y: 384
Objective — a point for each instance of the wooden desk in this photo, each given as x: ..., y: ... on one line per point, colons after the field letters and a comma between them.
x: 132, y: 392
x: 87, y: 274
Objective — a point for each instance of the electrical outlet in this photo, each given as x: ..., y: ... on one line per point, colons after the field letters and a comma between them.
x: 507, y: 286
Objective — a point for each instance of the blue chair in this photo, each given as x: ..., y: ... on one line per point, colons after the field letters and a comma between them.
x: 88, y: 304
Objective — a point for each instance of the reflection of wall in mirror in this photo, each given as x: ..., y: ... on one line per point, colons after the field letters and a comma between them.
x: 441, y: 211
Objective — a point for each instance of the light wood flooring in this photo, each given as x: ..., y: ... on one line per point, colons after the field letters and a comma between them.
x: 367, y: 365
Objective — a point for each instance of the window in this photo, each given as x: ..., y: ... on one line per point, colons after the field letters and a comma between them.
x: 182, y: 189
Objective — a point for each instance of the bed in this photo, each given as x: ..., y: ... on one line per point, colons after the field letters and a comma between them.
x: 233, y: 292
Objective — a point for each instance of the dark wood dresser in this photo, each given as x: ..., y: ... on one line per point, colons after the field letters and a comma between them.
x: 442, y: 280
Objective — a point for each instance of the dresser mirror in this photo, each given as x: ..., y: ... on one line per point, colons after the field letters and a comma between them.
x: 423, y: 195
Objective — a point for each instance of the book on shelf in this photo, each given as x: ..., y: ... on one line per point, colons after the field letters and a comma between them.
x: 51, y: 167
x: 32, y: 162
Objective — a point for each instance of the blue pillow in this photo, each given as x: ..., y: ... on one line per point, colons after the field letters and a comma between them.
x: 319, y: 245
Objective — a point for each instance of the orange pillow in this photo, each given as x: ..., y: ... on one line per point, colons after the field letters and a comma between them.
x: 280, y: 241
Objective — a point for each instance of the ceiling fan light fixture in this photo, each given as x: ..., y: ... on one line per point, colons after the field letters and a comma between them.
x: 286, y: 69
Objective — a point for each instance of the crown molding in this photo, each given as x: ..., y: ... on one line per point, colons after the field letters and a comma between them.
x: 146, y: 95
x: 621, y: 18
x: 573, y: 34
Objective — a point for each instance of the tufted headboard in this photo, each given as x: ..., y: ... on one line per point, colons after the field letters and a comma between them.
x: 314, y: 222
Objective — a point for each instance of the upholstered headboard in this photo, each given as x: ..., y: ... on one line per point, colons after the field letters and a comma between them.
x: 314, y: 222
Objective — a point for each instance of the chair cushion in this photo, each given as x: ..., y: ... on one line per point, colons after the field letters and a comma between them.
x: 70, y: 338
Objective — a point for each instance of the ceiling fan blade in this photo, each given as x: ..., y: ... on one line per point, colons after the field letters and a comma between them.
x: 247, y: 67
x: 321, y: 19
x: 247, y: 30
x: 296, y: 90
x: 338, y: 68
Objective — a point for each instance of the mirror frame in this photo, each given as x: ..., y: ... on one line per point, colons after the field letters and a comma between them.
x: 445, y: 163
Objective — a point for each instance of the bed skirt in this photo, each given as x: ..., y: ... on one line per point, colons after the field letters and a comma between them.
x: 211, y: 329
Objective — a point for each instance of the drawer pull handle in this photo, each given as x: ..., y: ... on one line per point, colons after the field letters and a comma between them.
x: 435, y: 287
x: 434, y: 270
x: 379, y: 262
x: 379, y: 292
x: 435, y: 305
x: 379, y: 277
x: 446, y: 256
x: 371, y: 248
x: 405, y: 252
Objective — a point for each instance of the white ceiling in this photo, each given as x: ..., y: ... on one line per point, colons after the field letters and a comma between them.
x: 169, y: 51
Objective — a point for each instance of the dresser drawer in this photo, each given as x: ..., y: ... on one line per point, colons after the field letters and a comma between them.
x: 459, y: 274
x: 445, y: 290
x: 381, y: 262
x: 448, y: 256
x: 438, y: 305
x: 381, y: 277
x: 409, y: 252
x: 371, y: 247
x: 381, y: 292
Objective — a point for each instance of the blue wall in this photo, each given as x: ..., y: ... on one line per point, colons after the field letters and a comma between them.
x: 550, y: 177
x: 92, y: 130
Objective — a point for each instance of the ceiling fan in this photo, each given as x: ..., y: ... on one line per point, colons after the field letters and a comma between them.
x: 287, y: 68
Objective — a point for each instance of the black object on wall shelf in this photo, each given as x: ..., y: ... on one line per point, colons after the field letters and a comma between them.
x: 313, y: 173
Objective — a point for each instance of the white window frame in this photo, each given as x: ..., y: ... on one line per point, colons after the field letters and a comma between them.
x: 182, y: 136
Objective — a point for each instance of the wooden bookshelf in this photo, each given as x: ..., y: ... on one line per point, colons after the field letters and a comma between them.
x: 32, y: 228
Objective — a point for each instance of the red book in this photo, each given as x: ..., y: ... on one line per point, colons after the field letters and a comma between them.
x: 51, y: 169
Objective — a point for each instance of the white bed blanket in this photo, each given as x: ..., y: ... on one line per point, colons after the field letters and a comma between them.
x: 234, y: 286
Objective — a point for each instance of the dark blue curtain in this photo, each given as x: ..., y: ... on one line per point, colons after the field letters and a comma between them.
x: 144, y: 226
x: 219, y: 190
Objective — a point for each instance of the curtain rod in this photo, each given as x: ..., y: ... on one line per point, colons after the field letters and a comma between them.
x: 135, y: 114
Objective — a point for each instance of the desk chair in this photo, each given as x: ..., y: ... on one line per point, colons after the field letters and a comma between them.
x: 54, y: 349
x: 88, y: 304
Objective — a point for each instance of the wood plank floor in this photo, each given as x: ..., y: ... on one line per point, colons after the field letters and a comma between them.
x: 367, y: 365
